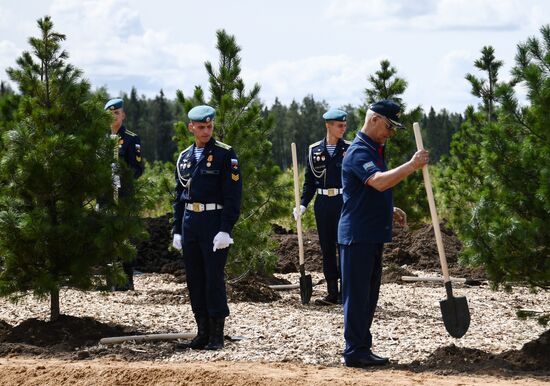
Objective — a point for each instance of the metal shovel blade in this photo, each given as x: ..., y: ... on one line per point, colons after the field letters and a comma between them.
x: 456, y: 314
x: 306, y: 288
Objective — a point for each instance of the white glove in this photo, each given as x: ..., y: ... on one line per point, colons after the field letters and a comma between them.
x: 176, y: 242
x: 222, y: 240
x: 295, y: 212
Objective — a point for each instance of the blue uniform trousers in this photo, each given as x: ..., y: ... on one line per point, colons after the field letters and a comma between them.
x: 204, y: 268
x: 361, y: 275
x: 327, y: 213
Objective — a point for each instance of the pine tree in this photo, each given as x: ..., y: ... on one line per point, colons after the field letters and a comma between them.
x: 57, y: 161
x: 485, y: 88
x: 239, y: 123
x: 409, y: 194
x: 162, y: 122
x: 501, y: 198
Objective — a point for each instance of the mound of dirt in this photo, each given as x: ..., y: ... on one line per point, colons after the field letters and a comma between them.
x: 252, y: 289
x: 153, y: 255
x: 287, y: 251
x: 393, y: 273
x: 65, y: 333
x: 417, y: 249
x: 533, y: 357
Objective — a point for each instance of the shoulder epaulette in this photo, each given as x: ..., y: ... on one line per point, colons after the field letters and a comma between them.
x: 185, y: 151
x: 222, y: 145
x: 347, y: 142
x: 315, y: 144
x: 131, y: 133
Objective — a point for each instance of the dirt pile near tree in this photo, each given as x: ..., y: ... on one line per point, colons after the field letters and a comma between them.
x: 154, y: 254
x: 534, y: 356
x: 416, y: 249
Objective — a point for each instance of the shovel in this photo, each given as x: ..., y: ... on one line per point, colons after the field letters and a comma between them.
x: 456, y: 315
x: 306, y: 286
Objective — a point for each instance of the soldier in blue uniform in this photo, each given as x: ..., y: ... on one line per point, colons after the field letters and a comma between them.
x: 129, y: 150
x: 324, y: 177
x: 207, y: 206
x: 366, y: 224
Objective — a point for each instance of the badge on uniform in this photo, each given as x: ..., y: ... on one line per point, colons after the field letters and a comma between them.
x: 120, y: 141
x: 368, y: 166
x: 234, y: 163
x: 210, y: 158
x: 235, y: 177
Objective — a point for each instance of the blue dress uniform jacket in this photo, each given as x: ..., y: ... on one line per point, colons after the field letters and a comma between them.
x: 208, y: 201
x: 324, y: 171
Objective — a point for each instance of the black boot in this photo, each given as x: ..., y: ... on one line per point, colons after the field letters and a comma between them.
x: 216, y: 334
x: 199, y: 341
x: 332, y: 296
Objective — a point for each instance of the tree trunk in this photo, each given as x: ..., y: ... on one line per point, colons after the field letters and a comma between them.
x: 54, y: 304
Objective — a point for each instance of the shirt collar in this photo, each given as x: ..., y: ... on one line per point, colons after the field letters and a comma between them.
x: 369, y: 142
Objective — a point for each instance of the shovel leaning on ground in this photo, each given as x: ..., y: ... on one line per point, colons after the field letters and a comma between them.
x: 306, y: 286
x: 456, y: 315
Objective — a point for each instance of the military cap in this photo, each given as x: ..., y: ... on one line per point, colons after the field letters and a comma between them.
x: 114, y: 104
x: 388, y: 109
x: 201, y: 114
x: 335, y: 115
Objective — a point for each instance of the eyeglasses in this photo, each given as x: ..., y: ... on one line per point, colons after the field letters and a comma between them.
x: 389, y: 126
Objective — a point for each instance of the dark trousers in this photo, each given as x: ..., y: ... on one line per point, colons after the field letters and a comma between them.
x: 205, y: 278
x: 327, y: 214
x: 361, y: 275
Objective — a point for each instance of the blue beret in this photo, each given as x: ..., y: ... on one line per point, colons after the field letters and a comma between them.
x: 114, y: 104
x: 335, y: 115
x: 201, y: 114
x: 389, y: 109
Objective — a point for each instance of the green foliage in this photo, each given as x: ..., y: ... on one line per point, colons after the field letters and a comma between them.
x: 158, y: 187
x: 56, y: 162
x: 498, y: 177
x: 409, y: 194
x: 437, y: 132
x: 240, y: 123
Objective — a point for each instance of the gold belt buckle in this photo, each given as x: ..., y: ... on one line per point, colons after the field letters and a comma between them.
x: 331, y: 192
x: 197, y: 207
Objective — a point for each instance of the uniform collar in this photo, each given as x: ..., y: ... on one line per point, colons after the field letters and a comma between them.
x: 365, y: 139
x: 121, y: 131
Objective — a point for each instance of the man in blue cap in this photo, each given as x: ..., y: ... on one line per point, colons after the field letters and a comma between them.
x: 366, y: 224
x: 324, y: 177
x: 129, y: 150
x: 207, y: 206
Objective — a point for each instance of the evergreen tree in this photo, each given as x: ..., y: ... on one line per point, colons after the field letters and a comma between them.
x: 409, y: 195
x: 485, y: 88
x: 162, y: 122
x: 279, y: 135
x: 57, y: 160
x: 239, y: 123
x: 503, y: 211
x: 438, y: 130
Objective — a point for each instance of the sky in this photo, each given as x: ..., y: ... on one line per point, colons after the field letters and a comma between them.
x: 292, y: 48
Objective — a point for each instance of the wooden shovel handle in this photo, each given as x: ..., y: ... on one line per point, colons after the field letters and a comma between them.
x: 297, y: 201
x: 431, y: 202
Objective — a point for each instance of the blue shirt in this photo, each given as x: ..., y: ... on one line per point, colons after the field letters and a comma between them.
x: 367, y: 214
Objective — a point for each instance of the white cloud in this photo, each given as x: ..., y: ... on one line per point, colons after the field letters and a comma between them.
x: 337, y: 79
x: 443, y: 85
x: 431, y: 14
x: 8, y: 54
x: 109, y: 42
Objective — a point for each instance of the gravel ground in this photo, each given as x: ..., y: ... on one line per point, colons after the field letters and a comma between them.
x: 407, y: 325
